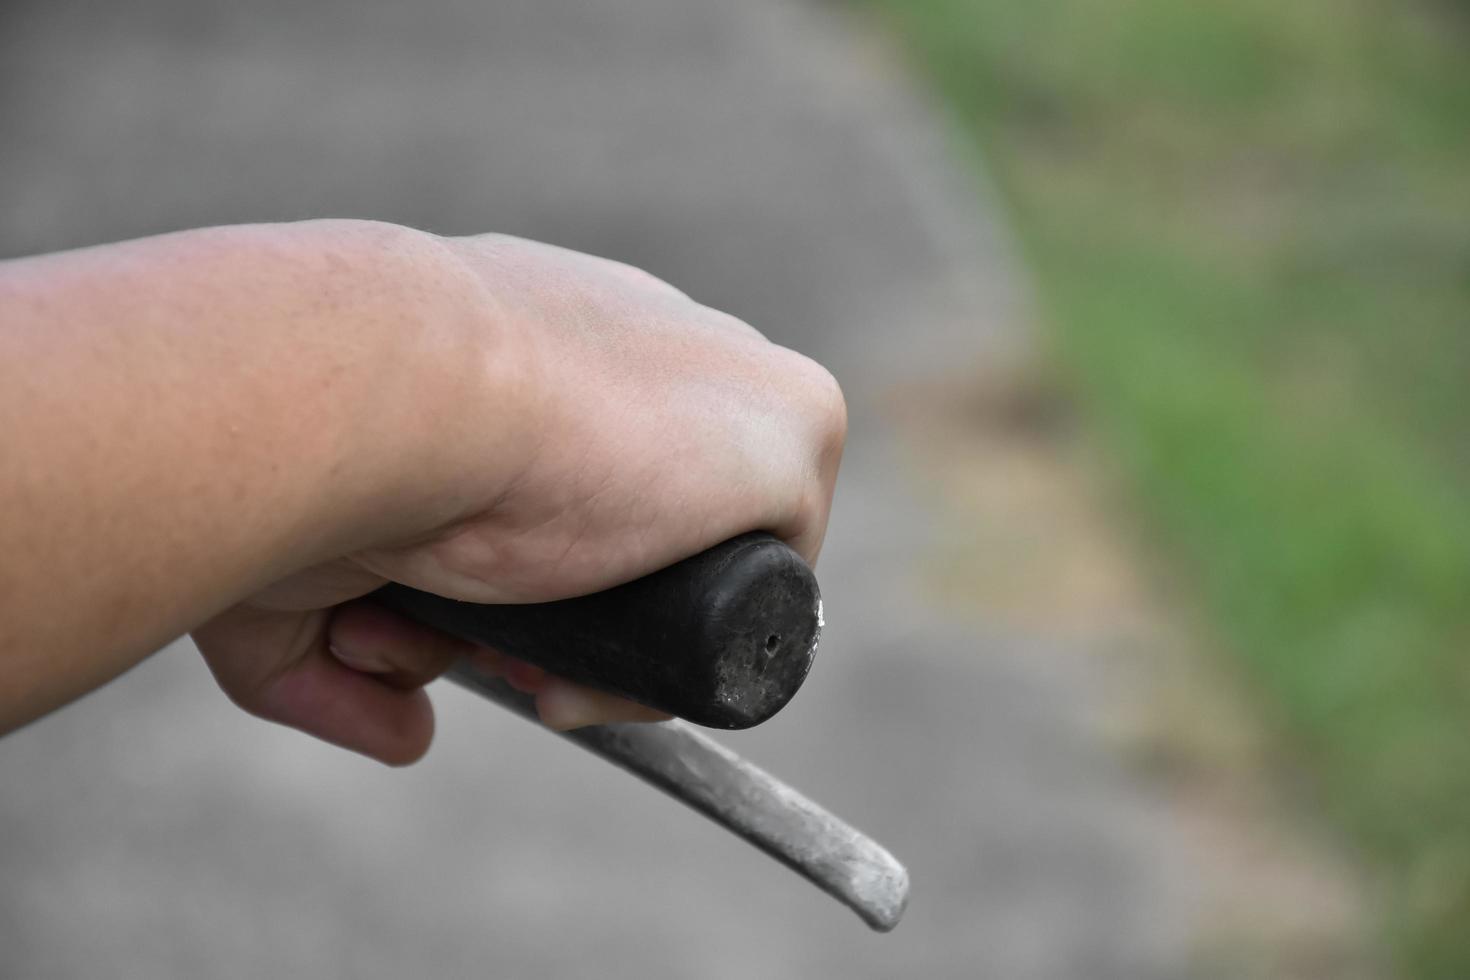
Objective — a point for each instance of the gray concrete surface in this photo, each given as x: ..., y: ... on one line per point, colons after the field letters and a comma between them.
x: 760, y: 156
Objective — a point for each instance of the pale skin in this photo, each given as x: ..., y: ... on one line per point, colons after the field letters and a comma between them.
x: 235, y: 432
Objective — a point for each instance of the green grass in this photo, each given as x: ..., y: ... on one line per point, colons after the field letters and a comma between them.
x: 1250, y: 225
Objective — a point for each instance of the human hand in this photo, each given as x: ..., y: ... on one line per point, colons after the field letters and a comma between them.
x: 576, y: 423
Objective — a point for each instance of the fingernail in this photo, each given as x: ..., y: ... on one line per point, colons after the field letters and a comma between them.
x: 365, y: 664
x: 564, y: 706
x: 524, y: 677
x: 488, y: 661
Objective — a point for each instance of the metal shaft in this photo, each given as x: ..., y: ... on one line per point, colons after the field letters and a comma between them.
x: 704, y: 775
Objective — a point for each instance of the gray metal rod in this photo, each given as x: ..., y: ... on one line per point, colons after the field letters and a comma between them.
x: 702, y: 774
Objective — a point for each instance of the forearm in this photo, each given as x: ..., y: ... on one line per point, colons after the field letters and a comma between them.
x: 187, y: 418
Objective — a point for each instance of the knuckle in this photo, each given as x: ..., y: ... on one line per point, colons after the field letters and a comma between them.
x: 642, y: 277
x: 252, y: 700
x: 836, y: 417
x: 829, y: 410
x: 243, y: 686
x: 720, y: 320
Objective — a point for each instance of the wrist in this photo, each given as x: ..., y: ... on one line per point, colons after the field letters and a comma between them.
x: 434, y: 417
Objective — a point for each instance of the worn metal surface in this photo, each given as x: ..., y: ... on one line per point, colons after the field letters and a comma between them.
x: 743, y: 798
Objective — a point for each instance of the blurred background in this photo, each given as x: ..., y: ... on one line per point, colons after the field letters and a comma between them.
x: 1250, y: 227
x: 1148, y: 575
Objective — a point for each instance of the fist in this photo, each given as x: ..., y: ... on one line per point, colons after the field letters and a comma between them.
x: 572, y: 423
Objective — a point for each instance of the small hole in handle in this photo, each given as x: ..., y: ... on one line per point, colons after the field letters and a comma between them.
x: 773, y: 643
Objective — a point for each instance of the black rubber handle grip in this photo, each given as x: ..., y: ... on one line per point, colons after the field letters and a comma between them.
x: 722, y: 639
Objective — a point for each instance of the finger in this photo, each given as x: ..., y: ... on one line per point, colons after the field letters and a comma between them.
x: 524, y: 677
x: 564, y: 705
x: 807, y: 542
x: 809, y: 499
x: 398, y: 651
x: 277, y: 666
x: 327, y: 699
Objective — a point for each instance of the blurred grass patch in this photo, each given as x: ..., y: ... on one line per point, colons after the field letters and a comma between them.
x: 1250, y: 225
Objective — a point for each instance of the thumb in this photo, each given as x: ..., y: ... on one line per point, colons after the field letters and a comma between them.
x: 277, y: 666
